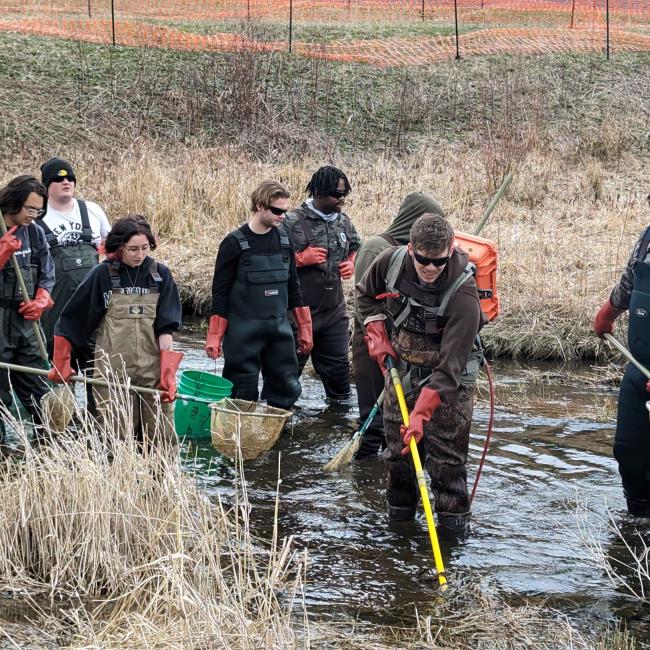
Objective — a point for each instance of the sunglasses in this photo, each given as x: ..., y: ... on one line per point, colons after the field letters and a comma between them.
x: 277, y: 211
x: 436, y: 261
x: 60, y: 179
x: 339, y: 194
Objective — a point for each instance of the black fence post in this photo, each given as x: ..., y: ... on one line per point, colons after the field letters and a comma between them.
x: 290, y: 23
x: 422, y: 11
x: 89, y: 14
x: 113, y: 19
x: 456, y: 23
x: 607, y: 29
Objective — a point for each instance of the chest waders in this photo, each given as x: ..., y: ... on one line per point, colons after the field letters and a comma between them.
x: 418, y: 324
x: 323, y: 292
x: 71, y: 265
x: 127, y: 346
x: 259, y: 335
x: 18, y: 342
x: 632, y: 440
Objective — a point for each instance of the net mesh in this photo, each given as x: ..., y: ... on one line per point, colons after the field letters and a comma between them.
x: 377, y: 32
x: 250, y: 426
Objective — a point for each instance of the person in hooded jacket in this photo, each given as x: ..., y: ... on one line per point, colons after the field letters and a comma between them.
x: 368, y: 378
x: 433, y: 305
x: 132, y: 302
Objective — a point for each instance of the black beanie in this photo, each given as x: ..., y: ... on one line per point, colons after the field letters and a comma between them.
x: 56, y: 168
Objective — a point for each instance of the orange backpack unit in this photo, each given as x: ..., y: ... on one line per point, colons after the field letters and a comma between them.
x: 483, y: 254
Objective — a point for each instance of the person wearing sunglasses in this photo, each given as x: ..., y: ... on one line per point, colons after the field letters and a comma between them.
x: 632, y: 439
x: 369, y: 381
x: 74, y: 230
x: 426, y: 290
x: 326, y: 244
x: 255, y: 283
x: 132, y: 302
x: 22, y: 201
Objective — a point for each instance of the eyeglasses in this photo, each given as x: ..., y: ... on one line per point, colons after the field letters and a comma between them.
x: 134, y: 249
x: 34, y: 212
x: 339, y: 194
x: 59, y: 179
x: 277, y: 211
x: 436, y: 261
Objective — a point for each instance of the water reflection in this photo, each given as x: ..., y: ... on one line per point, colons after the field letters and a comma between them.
x: 549, y: 449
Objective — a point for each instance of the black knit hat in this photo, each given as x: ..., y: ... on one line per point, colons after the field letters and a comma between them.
x: 56, y: 168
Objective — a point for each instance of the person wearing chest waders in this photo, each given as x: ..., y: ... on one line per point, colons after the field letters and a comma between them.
x: 74, y: 230
x: 22, y: 201
x: 132, y: 302
x: 632, y: 439
x: 368, y: 378
x: 326, y: 244
x: 427, y: 290
x: 255, y: 283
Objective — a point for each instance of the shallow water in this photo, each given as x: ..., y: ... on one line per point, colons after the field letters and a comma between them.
x: 551, y: 450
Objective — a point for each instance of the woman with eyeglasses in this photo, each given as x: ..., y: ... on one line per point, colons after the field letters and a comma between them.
x: 21, y: 202
x: 132, y: 302
x: 326, y: 243
x: 255, y: 283
x: 427, y: 291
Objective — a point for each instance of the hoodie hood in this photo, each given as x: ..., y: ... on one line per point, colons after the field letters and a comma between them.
x: 413, y: 207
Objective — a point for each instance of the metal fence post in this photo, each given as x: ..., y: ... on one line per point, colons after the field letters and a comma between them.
x: 290, y: 23
x: 456, y: 23
x: 113, y: 19
x: 607, y: 29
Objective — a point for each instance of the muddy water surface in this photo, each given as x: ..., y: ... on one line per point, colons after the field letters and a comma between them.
x: 551, y: 451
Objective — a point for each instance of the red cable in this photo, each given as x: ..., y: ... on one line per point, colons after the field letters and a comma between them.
x: 490, y: 377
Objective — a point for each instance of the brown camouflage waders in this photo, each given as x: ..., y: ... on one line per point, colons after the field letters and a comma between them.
x: 446, y: 436
x: 127, y: 346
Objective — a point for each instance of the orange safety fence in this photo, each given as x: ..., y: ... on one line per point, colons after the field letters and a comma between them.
x: 376, y: 32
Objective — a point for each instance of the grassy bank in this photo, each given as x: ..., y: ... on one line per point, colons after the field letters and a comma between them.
x: 185, y: 137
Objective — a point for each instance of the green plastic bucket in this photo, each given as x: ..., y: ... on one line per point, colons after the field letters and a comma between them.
x: 192, y: 419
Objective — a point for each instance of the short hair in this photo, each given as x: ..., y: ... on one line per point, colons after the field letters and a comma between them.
x: 14, y: 194
x: 125, y: 228
x: 432, y: 233
x: 325, y: 181
x: 266, y: 192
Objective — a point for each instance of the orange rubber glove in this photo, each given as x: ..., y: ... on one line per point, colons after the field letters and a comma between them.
x: 604, y: 321
x: 33, y: 309
x: 379, y: 346
x: 310, y: 256
x: 9, y: 244
x: 216, y: 332
x: 169, y: 362
x: 426, y: 404
x: 302, y: 316
x: 61, y: 370
x: 346, y: 267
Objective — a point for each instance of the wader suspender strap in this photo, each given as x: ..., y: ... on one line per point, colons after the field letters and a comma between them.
x: 155, y: 279
x: 86, y: 230
x: 394, y: 267
x: 643, y: 247
x: 243, y: 245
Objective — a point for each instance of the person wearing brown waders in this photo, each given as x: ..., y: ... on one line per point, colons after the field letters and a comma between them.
x: 368, y: 378
x: 22, y: 201
x: 132, y: 302
x: 255, y: 283
x: 428, y: 291
x: 632, y: 439
x: 326, y: 244
x: 74, y: 230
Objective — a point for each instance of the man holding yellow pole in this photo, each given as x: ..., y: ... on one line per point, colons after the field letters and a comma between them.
x: 428, y: 293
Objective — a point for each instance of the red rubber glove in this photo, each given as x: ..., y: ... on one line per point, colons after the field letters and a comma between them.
x: 346, y: 267
x: 427, y: 403
x: 61, y: 370
x: 169, y: 362
x: 310, y: 256
x: 379, y: 346
x: 9, y: 244
x: 33, y: 309
x: 604, y: 321
x: 216, y: 332
x: 302, y: 316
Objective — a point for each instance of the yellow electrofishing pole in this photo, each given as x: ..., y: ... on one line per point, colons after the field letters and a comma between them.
x: 419, y: 473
